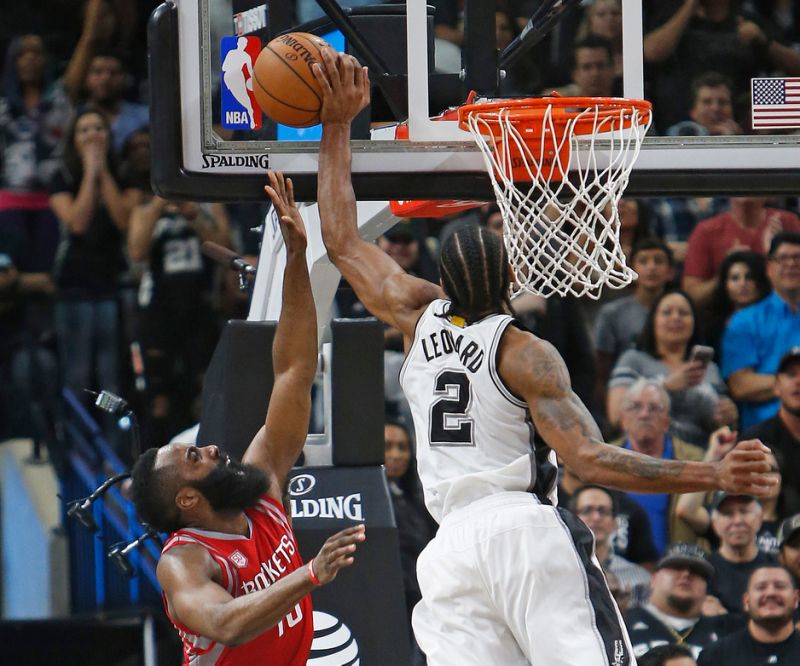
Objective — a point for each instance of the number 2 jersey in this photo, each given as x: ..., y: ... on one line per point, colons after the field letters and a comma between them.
x: 248, y: 564
x: 474, y: 437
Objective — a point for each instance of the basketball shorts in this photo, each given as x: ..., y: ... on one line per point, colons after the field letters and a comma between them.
x: 510, y: 581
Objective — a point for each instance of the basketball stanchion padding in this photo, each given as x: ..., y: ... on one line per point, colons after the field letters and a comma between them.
x: 559, y: 166
x: 285, y: 86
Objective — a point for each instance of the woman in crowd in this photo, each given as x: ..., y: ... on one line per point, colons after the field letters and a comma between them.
x: 33, y: 115
x: 415, y: 527
x: 93, y: 208
x: 742, y: 282
x: 696, y: 390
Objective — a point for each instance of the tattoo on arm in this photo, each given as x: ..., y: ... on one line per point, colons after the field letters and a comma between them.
x: 640, y: 466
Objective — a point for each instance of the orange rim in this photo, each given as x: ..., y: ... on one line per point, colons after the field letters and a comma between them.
x: 525, y: 113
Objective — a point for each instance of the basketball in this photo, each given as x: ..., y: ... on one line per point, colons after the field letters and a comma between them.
x: 285, y: 87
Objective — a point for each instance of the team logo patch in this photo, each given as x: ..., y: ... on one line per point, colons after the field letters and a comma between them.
x: 240, y: 110
x: 238, y: 559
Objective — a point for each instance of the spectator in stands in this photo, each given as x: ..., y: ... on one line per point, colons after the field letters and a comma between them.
x: 620, y: 322
x: 415, y: 527
x: 679, y: 612
x: 736, y: 520
x: 749, y: 224
x: 177, y: 321
x: 711, y: 111
x: 633, y: 538
x: 742, y: 281
x: 603, y: 18
x: 634, y: 224
x: 134, y: 165
x: 596, y: 507
x: 523, y: 76
x: 781, y: 432
x: 696, y: 391
x: 697, y: 515
x: 33, y: 115
x: 104, y: 86
x: 667, y: 655
x: 789, y: 544
x: 757, y: 336
x: 674, y: 219
x: 684, y: 38
x: 645, y: 408
x: 94, y: 208
x: 591, y: 68
x: 770, y: 636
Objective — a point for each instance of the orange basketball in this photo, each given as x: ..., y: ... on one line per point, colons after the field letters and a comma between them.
x: 285, y: 87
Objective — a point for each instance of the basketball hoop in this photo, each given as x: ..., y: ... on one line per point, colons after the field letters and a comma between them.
x: 559, y: 166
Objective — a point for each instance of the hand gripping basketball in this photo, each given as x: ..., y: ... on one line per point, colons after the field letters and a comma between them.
x: 344, y: 85
x: 337, y: 553
x: 746, y: 471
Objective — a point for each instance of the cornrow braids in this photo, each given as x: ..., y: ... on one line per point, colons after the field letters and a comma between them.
x: 474, y: 269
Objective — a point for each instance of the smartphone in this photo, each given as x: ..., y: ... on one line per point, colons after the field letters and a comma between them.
x: 702, y: 353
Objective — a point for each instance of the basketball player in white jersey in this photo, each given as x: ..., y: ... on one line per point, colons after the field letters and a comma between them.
x: 510, y: 578
x: 235, y: 61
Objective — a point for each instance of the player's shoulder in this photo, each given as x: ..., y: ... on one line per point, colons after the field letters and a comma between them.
x: 183, y: 559
x: 525, y: 358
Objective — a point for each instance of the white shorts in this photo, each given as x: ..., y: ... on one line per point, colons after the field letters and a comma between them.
x: 509, y: 581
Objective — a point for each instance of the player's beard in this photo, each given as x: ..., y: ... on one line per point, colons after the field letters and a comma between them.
x: 233, y: 486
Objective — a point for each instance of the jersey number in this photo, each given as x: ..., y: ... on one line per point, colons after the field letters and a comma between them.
x: 450, y: 425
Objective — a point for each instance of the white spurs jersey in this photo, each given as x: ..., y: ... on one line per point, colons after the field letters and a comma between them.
x: 474, y: 437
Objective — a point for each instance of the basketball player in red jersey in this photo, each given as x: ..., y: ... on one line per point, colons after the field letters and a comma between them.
x: 234, y: 584
x: 510, y: 578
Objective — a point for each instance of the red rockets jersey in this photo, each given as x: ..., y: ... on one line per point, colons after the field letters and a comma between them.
x: 249, y: 564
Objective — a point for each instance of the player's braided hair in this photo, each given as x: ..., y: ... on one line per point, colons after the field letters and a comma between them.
x: 474, y: 268
x: 153, y: 493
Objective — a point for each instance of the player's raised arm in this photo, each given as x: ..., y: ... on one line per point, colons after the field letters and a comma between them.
x: 384, y: 288
x: 534, y: 370
x: 277, y: 445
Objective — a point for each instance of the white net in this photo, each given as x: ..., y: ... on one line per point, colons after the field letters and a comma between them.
x: 561, y: 228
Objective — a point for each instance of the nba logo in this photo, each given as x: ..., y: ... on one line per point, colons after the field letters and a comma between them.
x: 240, y: 111
x: 238, y: 559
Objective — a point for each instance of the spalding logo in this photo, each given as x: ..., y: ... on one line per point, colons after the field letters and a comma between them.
x: 301, y: 485
x: 334, y: 643
x: 291, y: 56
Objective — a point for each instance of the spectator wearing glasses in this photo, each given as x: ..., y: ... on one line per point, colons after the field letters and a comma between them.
x: 757, y: 337
x: 646, y: 424
x: 596, y: 507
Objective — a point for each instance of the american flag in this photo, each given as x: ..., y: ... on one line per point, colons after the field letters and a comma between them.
x: 776, y: 103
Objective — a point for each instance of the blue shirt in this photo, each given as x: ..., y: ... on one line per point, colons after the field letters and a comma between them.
x: 756, y: 338
x: 656, y: 504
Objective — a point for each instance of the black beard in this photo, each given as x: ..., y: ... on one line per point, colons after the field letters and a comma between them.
x: 680, y: 604
x: 233, y: 487
x: 772, y: 624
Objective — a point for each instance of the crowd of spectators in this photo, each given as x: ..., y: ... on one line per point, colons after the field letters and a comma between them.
x: 103, y: 286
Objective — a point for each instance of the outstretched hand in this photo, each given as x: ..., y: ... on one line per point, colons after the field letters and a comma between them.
x: 337, y: 553
x: 293, y: 229
x: 344, y: 84
x: 746, y: 470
